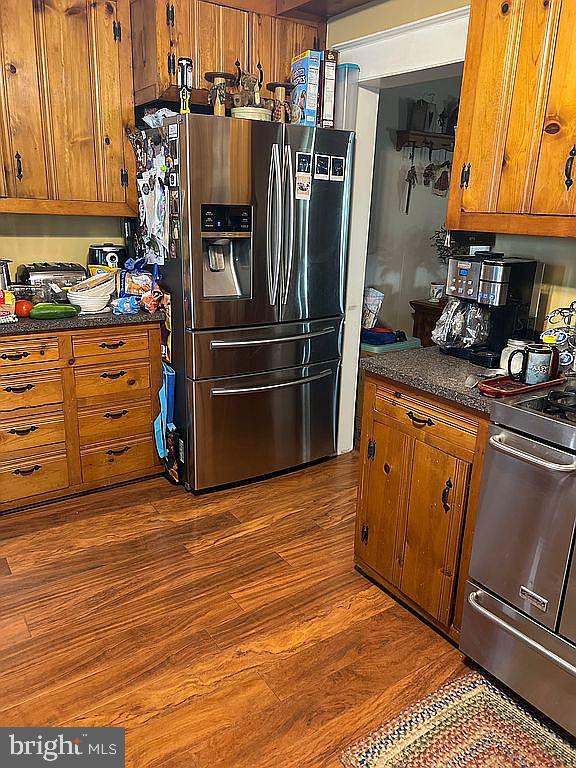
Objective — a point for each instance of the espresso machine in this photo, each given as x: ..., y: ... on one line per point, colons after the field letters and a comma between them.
x: 492, y: 298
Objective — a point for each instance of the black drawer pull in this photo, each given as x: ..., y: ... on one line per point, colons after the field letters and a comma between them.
x: 112, y: 345
x: 418, y: 421
x: 35, y: 468
x: 113, y: 375
x: 22, y: 432
x: 119, y: 452
x: 445, y: 493
x: 14, y: 355
x: 115, y: 415
x: 19, y: 390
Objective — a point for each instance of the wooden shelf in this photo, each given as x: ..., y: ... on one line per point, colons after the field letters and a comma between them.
x: 424, y: 139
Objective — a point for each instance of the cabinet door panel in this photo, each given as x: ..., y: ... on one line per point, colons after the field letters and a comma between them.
x: 384, y: 502
x: 234, y: 39
x: 435, y: 512
x: 285, y: 48
x: 21, y: 109
x: 66, y: 37
x: 539, y: 24
x: 262, y: 48
x: 207, y: 36
x: 488, y: 107
x: 181, y: 33
x: 107, y: 90
x: 558, y: 132
x: 305, y: 37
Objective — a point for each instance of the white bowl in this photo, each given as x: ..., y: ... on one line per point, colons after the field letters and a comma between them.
x: 89, y: 304
x: 106, y: 289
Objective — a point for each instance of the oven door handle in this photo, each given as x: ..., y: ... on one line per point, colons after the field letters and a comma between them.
x: 558, y: 660
x: 496, y: 441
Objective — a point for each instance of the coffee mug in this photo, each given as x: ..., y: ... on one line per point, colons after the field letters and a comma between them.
x: 540, y: 363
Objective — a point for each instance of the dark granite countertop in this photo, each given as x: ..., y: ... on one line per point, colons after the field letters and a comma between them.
x: 431, y: 371
x: 105, y: 320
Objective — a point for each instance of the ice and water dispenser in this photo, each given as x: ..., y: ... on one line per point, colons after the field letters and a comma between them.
x: 227, y: 251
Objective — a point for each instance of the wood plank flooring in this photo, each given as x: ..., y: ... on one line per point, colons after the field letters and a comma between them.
x: 223, y: 630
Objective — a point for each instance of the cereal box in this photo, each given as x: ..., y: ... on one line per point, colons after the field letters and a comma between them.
x: 305, y: 77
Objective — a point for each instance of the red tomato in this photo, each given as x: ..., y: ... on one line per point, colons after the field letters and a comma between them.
x: 23, y: 308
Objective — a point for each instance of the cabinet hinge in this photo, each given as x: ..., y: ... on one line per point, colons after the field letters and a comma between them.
x: 371, y: 452
x: 364, y: 533
x: 123, y: 177
x: 117, y: 31
x: 170, y: 14
x: 171, y: 64
x: 465, y: 176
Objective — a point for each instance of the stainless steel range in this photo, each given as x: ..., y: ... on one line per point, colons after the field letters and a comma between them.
x: 519, y: 618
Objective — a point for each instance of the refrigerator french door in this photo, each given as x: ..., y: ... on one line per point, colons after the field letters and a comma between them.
x: 257, y: 294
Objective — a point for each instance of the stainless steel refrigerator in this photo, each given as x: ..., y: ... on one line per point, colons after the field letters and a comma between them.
x: 258, y: 251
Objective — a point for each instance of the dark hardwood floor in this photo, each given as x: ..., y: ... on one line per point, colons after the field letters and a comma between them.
x: 228, y: 629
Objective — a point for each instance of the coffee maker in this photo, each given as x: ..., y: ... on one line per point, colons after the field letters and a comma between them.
x: 492, y: 298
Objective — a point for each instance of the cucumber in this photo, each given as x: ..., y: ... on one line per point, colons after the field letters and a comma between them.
x: 52, y: 311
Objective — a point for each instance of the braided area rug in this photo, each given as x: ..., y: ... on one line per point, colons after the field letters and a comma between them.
x: 468, y: 723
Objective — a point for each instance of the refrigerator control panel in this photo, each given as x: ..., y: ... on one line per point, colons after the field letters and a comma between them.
x: 226, y: 218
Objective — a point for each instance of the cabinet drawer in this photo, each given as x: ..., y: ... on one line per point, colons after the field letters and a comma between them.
x: 26, y: 351
x: 95, y: 345
x: 24, y: 479
x: 34, y: 432
x: 117, y: 457
x: 104, y: 380
x: 30, y: 389
x: 421, y: 418
x: 125, y: 420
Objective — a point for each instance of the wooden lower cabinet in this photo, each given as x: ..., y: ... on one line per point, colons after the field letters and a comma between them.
x: 79, y: 419
x: 421, y: 467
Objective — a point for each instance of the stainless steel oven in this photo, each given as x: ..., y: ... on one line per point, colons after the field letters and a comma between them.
x: 519, y: 618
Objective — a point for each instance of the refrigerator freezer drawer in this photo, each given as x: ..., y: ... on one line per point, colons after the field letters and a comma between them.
x: 264, y: 348
x: 530, y: 659
x: 247, y: 426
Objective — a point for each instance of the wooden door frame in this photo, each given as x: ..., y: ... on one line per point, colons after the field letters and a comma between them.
x: 421, y: 50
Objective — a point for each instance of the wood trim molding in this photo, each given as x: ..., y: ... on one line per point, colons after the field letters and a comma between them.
x: 431, y: 43
x: 65, y: 207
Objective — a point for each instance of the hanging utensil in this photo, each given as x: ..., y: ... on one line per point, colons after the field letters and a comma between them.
x: 411, y: 180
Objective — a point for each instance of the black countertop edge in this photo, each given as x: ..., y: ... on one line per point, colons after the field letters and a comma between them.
x: 429, y: 370
x: 81, y: 322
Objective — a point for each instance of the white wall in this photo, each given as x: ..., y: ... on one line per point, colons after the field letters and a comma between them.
x: 401, y: 261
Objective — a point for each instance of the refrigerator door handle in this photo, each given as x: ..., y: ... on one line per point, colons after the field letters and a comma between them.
x: 289, y: 254
x: 278, y: 220
x: 216, y: 344
x: 269, y: 224
x: 264, y: 388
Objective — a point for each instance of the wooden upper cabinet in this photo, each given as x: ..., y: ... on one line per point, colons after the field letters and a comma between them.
x: 221, y: 39
x: 214, y: 36
x: 23, y: 145
x: 276, y: 40
x: 67, y: 107
x: 554, y: 190
x: 517, y: 123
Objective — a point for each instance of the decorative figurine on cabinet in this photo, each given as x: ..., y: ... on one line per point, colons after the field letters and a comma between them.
x: 281, y: 107
x: 217, y: 95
